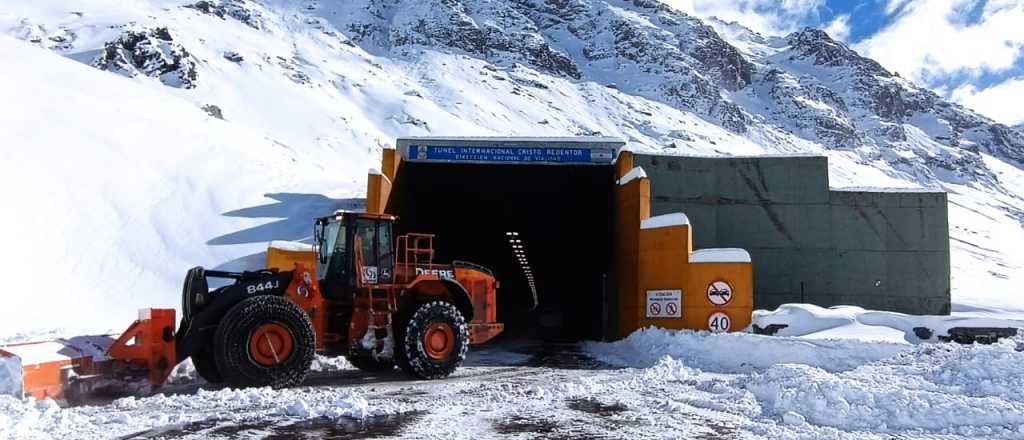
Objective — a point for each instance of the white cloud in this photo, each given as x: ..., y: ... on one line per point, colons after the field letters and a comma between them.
x: 1000, y: 102
x: 839, y: 28
x: 929, y: 39
x: 771, y: 17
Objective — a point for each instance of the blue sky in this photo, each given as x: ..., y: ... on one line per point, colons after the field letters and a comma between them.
x: 970, y: 51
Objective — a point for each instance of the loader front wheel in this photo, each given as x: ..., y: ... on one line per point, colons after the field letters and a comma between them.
x: 264, y: 341
x: 433, y: 341
x: 206, y: 366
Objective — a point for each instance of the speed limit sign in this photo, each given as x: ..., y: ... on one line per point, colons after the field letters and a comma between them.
x: 719, y: 322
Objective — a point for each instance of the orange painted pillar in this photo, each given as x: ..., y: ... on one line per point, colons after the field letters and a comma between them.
x: 665, y: 244
x: 632, y: 205
x: 378, y: 189
x: 722, y: 286
x: 389, y: 163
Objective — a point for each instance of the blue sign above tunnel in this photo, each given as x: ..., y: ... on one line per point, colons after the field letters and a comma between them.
x: 565, y: 151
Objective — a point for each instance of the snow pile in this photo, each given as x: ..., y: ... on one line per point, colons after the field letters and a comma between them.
x: 665, y: 220
x: 325, y: 405
x: 291, y: 246
x: 848, y: 322
x: 11, y: 376
x: 945, y: 389
x: 737, y: 352
x: 720, y: 255
x: 848, y: 386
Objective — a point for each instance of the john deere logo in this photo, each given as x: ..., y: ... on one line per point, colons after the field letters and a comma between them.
x: 719, y: 293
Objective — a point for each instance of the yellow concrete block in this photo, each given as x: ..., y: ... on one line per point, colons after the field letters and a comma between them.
x: 284, y: 257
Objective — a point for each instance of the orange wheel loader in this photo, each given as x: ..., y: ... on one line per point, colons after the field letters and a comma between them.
x: 378, y: 301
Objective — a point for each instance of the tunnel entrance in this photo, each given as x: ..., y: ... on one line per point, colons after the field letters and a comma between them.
x: 560, y: 216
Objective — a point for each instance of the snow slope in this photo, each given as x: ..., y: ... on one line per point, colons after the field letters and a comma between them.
x: 114, y: 188
x: 220, y: 126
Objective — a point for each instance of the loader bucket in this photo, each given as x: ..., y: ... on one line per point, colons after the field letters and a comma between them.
x: 66, y: 368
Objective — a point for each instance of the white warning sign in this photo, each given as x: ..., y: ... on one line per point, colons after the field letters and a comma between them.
x: 665, y: 303
x: 719, y: 322
x: 719, y: 293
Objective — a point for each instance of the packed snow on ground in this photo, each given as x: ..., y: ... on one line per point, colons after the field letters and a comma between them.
x: 653, y: 384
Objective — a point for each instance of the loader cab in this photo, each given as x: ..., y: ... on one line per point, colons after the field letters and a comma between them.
x: 336, y: 237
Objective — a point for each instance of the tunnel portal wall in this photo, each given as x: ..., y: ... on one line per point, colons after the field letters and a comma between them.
x: 871, y: 248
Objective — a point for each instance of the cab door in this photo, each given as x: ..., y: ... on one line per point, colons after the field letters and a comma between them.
x: 377, y: 250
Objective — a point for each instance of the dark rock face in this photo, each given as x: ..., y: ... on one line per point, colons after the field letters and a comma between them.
x: 149, y: 52
x: 234, y: 57
x: 214, y: 111
x: 505, y: 35
x: 678, y: 61
x: 239, y: 10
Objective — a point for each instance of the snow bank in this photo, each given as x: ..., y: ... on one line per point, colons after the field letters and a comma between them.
x: 849, y: 322
x: 291, y: 246
x: 720, y: 255
x: 865, y: 388
x: 664, y: 221
x: 633, y: 174
x: 943, y: 389
x: 11, y: 376
x: 737, y: 352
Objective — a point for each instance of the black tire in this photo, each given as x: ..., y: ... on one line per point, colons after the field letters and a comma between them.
x: 233, y: 353
x: 410, y: 353
x: 370, y: 364
x: 206, y: 366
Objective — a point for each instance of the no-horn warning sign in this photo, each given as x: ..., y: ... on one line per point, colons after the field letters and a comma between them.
x: 665, y: 303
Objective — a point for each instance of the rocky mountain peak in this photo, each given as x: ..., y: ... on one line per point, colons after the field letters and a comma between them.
x: 816, y: 44
x: 149, y: 52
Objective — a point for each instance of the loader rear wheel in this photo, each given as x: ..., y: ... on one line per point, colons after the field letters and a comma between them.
x: 433, y: 341
x: 370, y: 364
x: 206, y: 366
x: 264, y: 341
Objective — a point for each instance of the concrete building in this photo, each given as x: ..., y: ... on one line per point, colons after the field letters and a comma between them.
x: 879, y: 249
x: 595, y: 266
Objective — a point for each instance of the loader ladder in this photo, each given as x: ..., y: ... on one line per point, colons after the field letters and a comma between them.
x: 414, y: 250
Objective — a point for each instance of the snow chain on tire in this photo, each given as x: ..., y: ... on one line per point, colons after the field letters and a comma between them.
x: 411, y: 354
x: 206, y: 366
x: 232, y: 350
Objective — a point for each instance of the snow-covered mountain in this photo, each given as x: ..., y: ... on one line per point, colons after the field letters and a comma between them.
x: 222, y: 101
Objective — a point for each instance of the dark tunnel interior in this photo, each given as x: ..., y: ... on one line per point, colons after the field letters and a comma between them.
x: 562, y: 217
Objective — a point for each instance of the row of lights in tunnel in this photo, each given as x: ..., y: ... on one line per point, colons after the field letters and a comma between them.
x: 519, y: 249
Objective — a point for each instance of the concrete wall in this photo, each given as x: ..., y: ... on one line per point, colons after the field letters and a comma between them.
x: 879, y: 250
